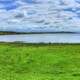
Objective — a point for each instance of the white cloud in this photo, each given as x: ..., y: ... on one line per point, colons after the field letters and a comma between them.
x: 42, y: 15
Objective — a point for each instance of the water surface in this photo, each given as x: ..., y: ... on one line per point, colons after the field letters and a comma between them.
x: 42, y: 38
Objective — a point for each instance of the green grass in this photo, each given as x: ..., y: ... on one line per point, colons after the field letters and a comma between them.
x: 39, y: 61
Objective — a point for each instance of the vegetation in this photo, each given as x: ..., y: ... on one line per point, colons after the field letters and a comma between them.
x: 39, y: 61
x: 6, y: 33
x: 9, y: 33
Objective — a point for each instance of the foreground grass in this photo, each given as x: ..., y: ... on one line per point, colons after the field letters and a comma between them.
x: 39, y: 62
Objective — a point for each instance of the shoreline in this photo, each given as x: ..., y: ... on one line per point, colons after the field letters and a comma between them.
x: 11, y: 33
x: 38, y: 44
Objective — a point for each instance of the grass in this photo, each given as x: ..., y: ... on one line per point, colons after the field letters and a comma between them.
x: 39, y: 61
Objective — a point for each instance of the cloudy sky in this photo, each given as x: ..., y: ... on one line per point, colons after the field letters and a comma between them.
x: 39, y: 15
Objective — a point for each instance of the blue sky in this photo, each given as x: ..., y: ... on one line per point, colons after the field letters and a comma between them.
x: 11, y: 4
x: 40, y: 15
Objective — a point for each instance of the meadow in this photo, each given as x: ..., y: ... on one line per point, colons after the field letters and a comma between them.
x: 19, y: 61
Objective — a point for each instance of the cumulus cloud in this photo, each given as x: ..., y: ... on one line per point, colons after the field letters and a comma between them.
x: 39, y: 15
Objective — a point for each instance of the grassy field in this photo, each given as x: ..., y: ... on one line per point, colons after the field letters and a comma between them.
x: 39, y: 61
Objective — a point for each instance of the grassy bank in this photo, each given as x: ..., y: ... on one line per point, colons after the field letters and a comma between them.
x: 39, y: 61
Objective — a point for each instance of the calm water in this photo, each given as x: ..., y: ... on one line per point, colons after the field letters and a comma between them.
x: 42, y: 38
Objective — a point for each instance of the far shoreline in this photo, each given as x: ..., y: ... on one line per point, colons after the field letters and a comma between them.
x: 16, y: 33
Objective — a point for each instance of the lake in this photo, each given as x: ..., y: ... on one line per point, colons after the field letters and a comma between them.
x: 42, y: 38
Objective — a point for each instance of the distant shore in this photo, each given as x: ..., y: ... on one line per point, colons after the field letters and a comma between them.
x: 13, y: 33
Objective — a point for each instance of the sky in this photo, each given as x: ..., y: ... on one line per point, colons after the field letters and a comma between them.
x: 40, y: 15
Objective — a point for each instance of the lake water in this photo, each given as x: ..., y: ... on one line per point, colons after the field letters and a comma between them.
x: 42, y: 38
